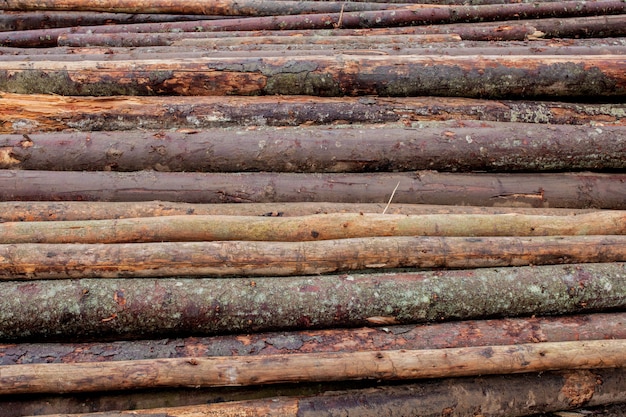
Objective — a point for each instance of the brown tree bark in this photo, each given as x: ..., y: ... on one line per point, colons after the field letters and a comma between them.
x: 510, y: 331
x: 462, y: 146
x: 510, y: 396
x: 468, y: 76
x: 254, y: 370
x: 41, y: 113
x: 105, y: 309
x: 18, y: 211
x: 565, y: 190
x: 308, y: 228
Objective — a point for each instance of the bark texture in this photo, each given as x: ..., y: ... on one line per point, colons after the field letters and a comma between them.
x: 352, y: 75
x: 308, y: 228
x: 463, y: 146
x: 31, y: 261
x: 83, y: 309
x: 41, y: 113
x: 565, y: 190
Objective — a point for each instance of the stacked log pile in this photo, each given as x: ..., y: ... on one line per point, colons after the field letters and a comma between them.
x: 312, y: 208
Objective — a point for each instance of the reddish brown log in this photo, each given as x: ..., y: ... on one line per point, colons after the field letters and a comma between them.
x: 566, y: 190
x: 467, y: 76
x: 476, y: 146
x: 509, y: 331
x: 40, y: 113
x: 88, y: 309
x: 15, y: 211
x: 510, y: 396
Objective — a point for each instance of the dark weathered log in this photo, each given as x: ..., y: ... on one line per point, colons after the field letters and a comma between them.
x: 503, y: 396
x: 335, y: 366
x: 308, y: 228
x: 510, y: 331
x: 87, y: 309
x: 213, y: 7
x: 30, y: 261
x: 18, y: 21
x: 16, y: 211
x: 468, y: 76
x: 474, y: 146
x: 40, y: 113
x: 565, y: 190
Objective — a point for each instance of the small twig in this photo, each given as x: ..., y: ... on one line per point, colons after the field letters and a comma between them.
x: 391, y: 198
x: 340, y: 21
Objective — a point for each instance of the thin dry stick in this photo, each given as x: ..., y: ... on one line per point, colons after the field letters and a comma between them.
x: 391, y: 198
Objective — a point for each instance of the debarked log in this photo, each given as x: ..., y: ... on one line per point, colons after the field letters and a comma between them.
x: 105, y: 309
x: 31, y: 211
x: 353, y: 75
x: 509, y: 331
x: 28, y: 261
x: 504, y: 396
x: 565, y: 190
x: 308, y: 228
x: 258, y: 370
x: 40, y: 113
x: 461, y: 146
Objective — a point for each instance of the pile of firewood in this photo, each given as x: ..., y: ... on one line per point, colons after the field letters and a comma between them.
x: 312, y: 208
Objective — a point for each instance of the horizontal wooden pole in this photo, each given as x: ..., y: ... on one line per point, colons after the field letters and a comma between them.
x: 308, y: 228
x: 19, y: 211
x: 28, y: 261
x: 26, y: 113
x: 508, y: 331
x: 383, y: 365
x: 461, y: 146
x: 474, y: 76
x: 121, y: 309
x: 565, y: 190
x: 503, y: 396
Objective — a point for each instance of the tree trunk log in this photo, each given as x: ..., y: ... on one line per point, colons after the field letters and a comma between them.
x: 565, y: 190
x: 85, y: 309
x: 253, y: 370
x: 511, y: 331
x: 461, y: 146
x: 40, y: 113
x: 502, y: 396
x: 16, y: 211
x: 468, y: 76
x: 308, y: 228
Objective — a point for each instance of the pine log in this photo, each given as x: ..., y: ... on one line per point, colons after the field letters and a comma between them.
x: 88, y: 309
x: 253, y: 370
x: 40, y: 113
x: 564, y: 190
x: 510, y: 331
x: 30, y: 211
x: 213, y: 7
x: 308, y: 228
x: 502, y: 396
x: 462, y: 146
x: 468, y: 76
x: 19, y: 21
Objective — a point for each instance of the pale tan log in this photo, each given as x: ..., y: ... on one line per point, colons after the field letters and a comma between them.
x: 237, y: 258
x: 31, y: 211
x: 253, y: 370
x: 308, y: 228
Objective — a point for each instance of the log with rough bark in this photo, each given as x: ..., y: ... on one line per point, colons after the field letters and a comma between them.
x: 382, y: 365
x: 308, y: 228
x: 510, y: 331
x: 30, y: 261
x: 503, y: 396
x: 18, y: 211
x: 88, y: 309
x: 554, y: 190
x: 461, y: 146
x: 40, y: 113
x: 468, y: 76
